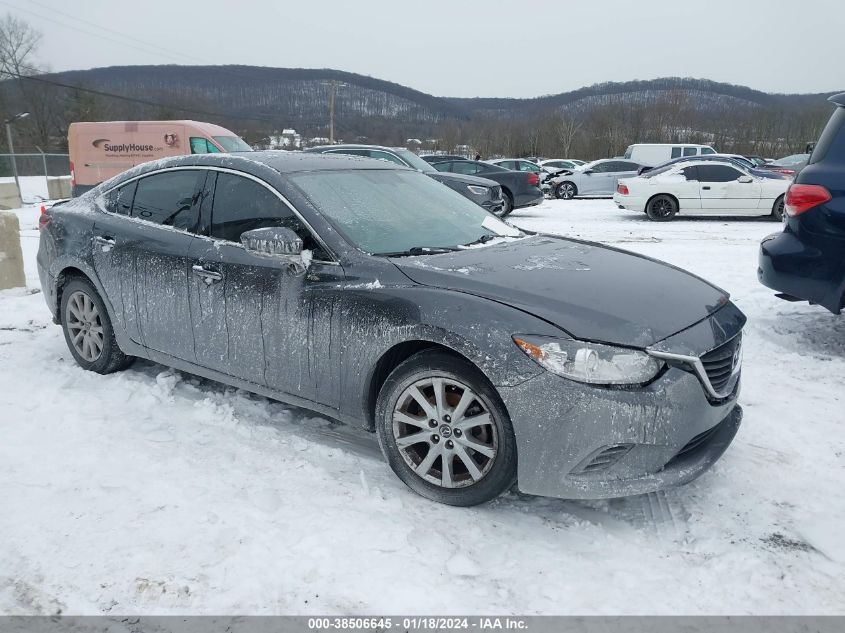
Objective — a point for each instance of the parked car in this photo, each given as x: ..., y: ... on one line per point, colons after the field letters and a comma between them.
x: 789, y: 165
x: 368, y: 293
x: 435, y: 158
x: 561, y: 163
x: 484, y: 192
x: 739, y: 161
x: 519, y: 188
x: 807, y: 260
x: 701, y: 187
x: 99, y: 150
x: 659, y: 153
x: 592, y: 179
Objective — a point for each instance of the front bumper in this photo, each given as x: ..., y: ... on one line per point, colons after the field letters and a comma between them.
x: 790, y: 266
x: 562, y: 428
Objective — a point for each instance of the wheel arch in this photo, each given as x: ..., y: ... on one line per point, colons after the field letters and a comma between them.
x: 390, y: 360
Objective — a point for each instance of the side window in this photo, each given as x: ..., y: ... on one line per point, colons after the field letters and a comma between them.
x: 601, y: 168
x: 201, y: 145
x: 690, y: 173
x: 350, y: 152
x: 717, y: 173
x: 120, y: 200
x: 442, y: 166
x: 707, y: 150
x: 464, y: 167
x: 525, y: 165
x: 676, y: 152
x: 168, y: 199
x: 507, y: 164
x: 374, y: 153
x: 690, y: 151
x: 626, y: 166
x: 241, y: 204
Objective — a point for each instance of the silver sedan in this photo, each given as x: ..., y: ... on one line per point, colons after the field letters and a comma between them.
x: 598, y: 178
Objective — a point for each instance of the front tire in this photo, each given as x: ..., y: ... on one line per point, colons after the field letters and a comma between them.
x: 444, y: 430
x: 88, y: 329
x: 777, y: 210
x: 507, y: 204
x: 566, y: 190
x: 661, y: 208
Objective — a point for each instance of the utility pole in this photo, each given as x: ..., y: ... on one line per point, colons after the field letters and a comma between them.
x: 333, y: 85
x: 8, y: 123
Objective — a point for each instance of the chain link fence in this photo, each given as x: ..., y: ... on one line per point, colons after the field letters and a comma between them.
x: 41, y: 176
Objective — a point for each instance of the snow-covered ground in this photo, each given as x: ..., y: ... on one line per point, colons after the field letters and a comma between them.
x: 151, y: 491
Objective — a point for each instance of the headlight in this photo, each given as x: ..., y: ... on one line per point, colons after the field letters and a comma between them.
x: 590, y: 362
x: 479, y: 191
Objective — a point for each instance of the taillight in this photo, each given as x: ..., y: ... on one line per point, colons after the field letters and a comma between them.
x: 44, y: 219
x: 623, y: 189
x: 533, y: 179
x: 801, y: 198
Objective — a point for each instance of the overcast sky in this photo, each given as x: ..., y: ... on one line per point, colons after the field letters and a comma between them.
x: 462, y: 48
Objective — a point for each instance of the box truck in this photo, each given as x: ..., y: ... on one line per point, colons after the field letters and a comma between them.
x: 100, y: 150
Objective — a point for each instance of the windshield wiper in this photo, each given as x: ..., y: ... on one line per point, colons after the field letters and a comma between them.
x: 418, y: 250
x: 481, y: 240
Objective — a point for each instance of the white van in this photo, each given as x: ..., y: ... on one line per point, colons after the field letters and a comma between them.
x: 653, y: 154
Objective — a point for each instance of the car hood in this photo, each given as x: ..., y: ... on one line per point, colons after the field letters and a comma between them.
x: 443, y: 176
x: 591, y: 291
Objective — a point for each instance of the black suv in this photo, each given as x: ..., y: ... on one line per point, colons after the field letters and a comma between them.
x: 482, y: 191
x: 807, y: 260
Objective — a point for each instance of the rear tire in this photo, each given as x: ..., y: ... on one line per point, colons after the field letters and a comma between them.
x: 566, y: 190
x: 88, y: 329
x: 661, y: 208
x: 777, y: 209
x: 444, y: 430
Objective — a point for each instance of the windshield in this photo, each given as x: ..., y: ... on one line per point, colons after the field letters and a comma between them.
x: 391, y: 211
x: 232, y: 143
x: 413, y: 160
x: 789, y: 161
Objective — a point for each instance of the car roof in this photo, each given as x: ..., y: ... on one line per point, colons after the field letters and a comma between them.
x: 281, y: 162
x: 322, y: 148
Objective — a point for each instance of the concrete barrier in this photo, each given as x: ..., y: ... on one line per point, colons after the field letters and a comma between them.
x: 58, y: 187
x: 9, y: 198
x: 11, y: 257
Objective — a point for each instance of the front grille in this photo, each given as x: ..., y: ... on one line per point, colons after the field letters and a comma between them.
x: 719, y: 364
x: 605, y: 458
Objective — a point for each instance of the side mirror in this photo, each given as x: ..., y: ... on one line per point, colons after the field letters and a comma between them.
x: 275, y: 241
x: 588, y: 171
x: 745, y: 179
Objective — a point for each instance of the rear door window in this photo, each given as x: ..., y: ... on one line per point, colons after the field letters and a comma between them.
x: 241, y: 204
x: 464, y: 167
x: 676, y: 152
x: 120, y: 200
x: 690, y: 151
x: 690, y: 173
x: 169, y: 199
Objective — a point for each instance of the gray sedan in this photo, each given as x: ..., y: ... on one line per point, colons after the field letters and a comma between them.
x: 598, y: 178
x: 479, y: 355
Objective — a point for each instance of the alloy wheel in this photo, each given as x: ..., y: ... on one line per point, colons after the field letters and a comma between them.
x: 85, y: 326
x: 566, y: 191
x: 445, y: 432
x: 662, y: 208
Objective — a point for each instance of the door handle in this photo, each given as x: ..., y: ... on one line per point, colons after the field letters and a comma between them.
x: 205, y: 273
x: 706, y: 187
x: 104, y: 240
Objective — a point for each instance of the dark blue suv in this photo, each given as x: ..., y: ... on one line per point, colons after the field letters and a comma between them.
x: 807, y: 260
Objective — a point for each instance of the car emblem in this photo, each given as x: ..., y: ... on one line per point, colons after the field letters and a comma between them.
x: 446, y: 431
